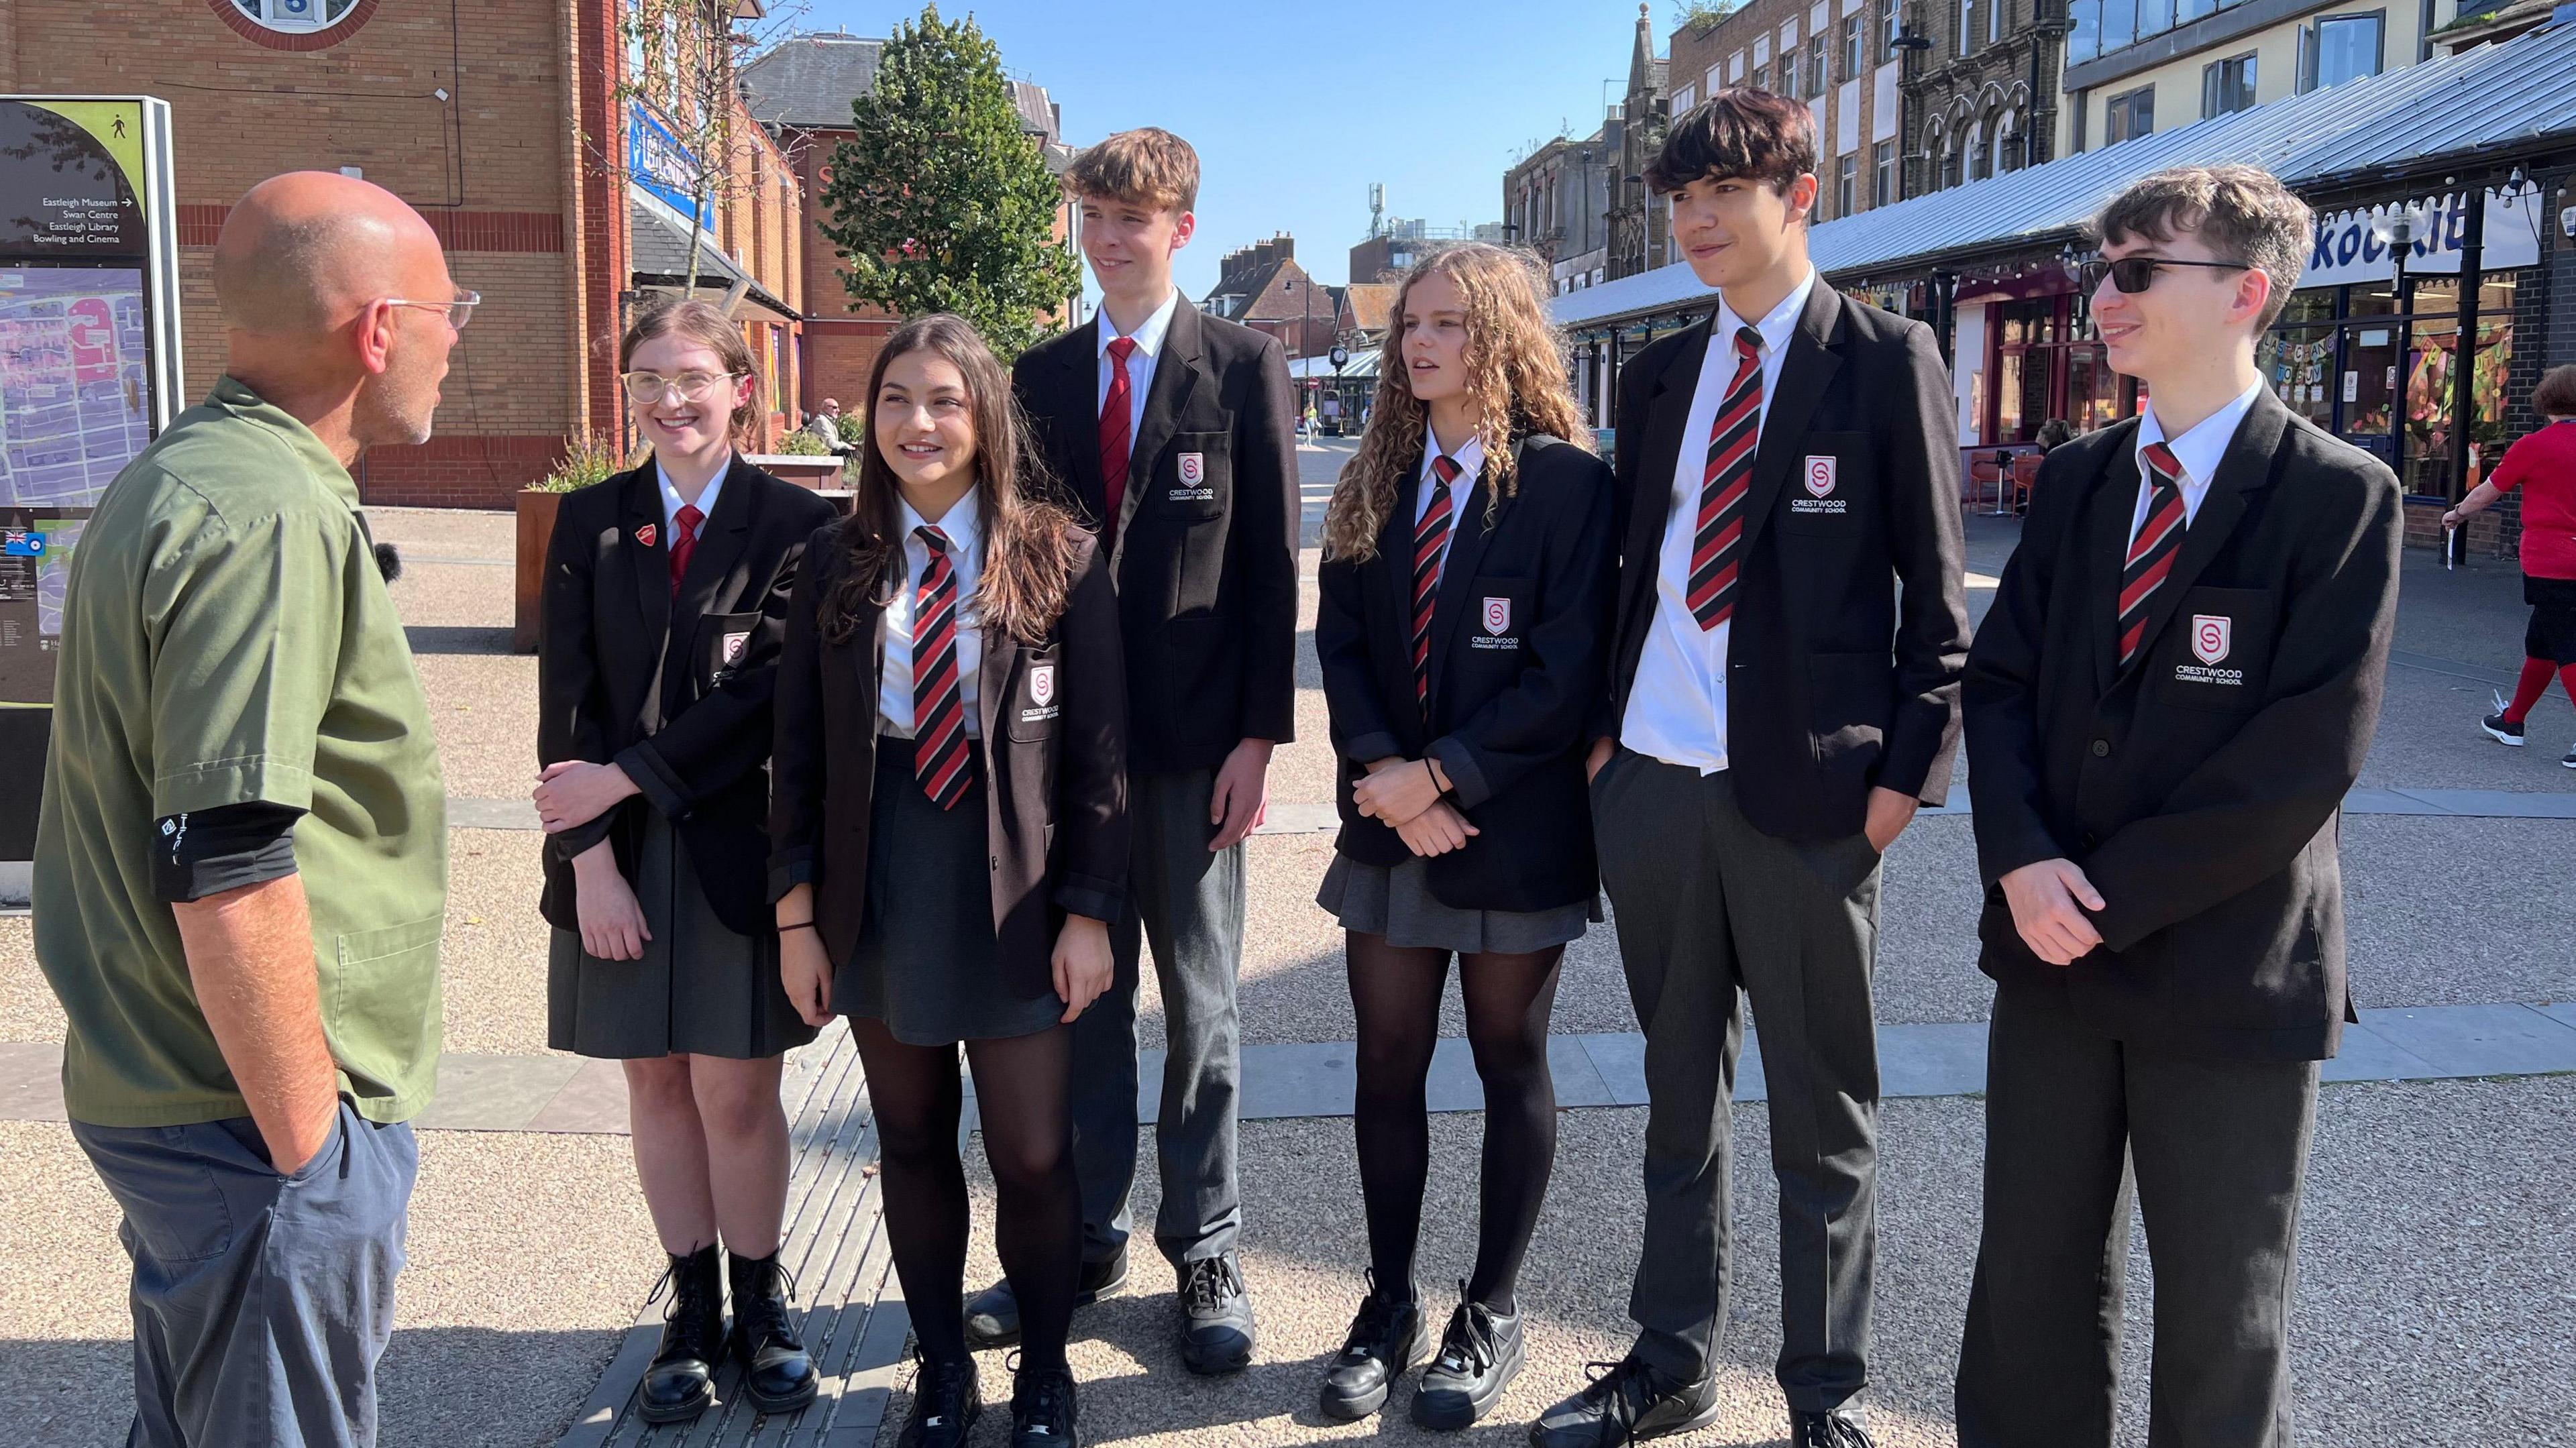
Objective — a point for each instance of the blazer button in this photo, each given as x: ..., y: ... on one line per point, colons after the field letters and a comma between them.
x: 2101, y: 748
x: 993, y: 862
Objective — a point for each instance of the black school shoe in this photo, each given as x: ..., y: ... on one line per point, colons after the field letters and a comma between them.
x: 1629, y: 1403
x: 2502, y: 730
x: 680, y: 1383
x: 1042, y: 1409
x: 993, y: 1315
x: 1479, y: 1356
x: 777, y: 1376
x: 1840, y: 1428
x: 1216, y: 1317
x: 946, y: 1400
x: 1385, y: 1340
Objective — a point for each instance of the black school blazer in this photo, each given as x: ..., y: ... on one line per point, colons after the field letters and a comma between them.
x: 1519, y: 630
x: 1855, y: 491
x: 674, y: 691
x: 2201, y: 788
x: 1206, y: 555
x: 1054, y: 751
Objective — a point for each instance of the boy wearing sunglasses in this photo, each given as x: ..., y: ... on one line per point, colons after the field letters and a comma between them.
x: 2172, y: 693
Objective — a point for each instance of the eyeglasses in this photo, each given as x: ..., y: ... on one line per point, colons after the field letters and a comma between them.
x: 648, y: 388
x: 459, y: 310
x: 2134, y: 274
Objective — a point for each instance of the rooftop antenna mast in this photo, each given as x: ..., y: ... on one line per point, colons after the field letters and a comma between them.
x: 1377, y: 208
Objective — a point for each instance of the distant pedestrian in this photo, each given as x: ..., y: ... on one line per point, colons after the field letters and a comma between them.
x: 241, y: 866
x: 825, y: 426
x: 653, y: 729
x: 1463, y: 631
x: 2543, y: 464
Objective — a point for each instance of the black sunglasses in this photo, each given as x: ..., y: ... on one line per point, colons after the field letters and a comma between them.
x: 2134, y: 274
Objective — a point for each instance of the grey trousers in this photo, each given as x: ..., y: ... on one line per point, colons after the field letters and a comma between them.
x: 1189, y: 902
x: 1706, y: 906
x: 261, y: 1302
x: 2214, y: 1154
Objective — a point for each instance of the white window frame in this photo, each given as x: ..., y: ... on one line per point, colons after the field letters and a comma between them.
x: 280, y: 16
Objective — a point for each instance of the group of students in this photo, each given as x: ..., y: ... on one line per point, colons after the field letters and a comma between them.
x: 1055, y: 637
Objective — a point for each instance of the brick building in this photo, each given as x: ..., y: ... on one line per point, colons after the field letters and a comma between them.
x: 801, y: 91
x: 1640, y: 223
x: 506, y: 124
x: 1838, y: 56
x: 1982, y: 98
x: 1556, y: 202
x: 1263, y: 287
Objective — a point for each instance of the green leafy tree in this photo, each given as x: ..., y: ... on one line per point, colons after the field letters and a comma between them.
x: 943, y: 203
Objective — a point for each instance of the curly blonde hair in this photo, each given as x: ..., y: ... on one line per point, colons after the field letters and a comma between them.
x: 1516, y: 374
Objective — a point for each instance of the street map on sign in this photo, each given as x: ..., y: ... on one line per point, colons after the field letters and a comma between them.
x: 73, y: 406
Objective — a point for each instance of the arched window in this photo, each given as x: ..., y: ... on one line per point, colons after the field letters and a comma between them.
x: 295, y: 17
x: 1980, y: 155
x: 2005, y: 160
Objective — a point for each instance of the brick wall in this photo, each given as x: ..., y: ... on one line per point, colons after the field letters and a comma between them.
x: 842, y: 336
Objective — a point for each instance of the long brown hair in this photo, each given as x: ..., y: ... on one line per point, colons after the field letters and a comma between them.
x: 1028, y: 541
x: 1515, y: 370
x: 692, y: 320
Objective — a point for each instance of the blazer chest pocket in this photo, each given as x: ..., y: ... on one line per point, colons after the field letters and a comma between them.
x: 724, y: 644
x: 1499, y: 614
x: 1831, y: 482
x: 2217, y: 651
x: 1195, y: 479
x: 1036, y: 706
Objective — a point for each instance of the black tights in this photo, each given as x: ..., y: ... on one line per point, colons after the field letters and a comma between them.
x: 1022, y: 1093
x: 1396, y: 992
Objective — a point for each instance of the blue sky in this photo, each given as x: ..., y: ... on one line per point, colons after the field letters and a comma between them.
x: 1296, y: 108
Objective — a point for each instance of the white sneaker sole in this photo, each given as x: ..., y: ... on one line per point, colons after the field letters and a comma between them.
x: 2500, y: 737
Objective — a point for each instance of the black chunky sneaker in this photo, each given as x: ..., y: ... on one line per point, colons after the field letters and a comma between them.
x: 1628, y: 1402
x: 1042, y: 1409
x: 993, y: 1315
x: 946, y: 1400
x: 1385, y: 1340
x: 1479, y: 1356
x: 1840, y: 1428
x: 2503, y: 730
x: 777, y: 1376
x: 1216, y: 1316
x: 680, y: 1384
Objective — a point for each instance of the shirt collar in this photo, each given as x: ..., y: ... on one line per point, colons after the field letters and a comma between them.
x: 964, y: 523
x: 1775, y: 325
x: 1149, y: 337
x: 1470, y: 458
x: 234, y: 396
x: 706, y: 498
x: 2200, y: 449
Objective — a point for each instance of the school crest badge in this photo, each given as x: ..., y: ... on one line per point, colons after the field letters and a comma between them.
x: 1193, y: 468
x: 1820, y: 474
x: 1042, y: 683
x: 1498, y: 615
x: 734, y: 643
x: 646, y: 534
x: 2211, y: 636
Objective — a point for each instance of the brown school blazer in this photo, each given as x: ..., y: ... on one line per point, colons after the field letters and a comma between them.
x: 1055, y: 768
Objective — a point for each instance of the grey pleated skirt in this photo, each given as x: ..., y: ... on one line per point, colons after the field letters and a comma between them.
x: 700, y: 989
x: 1397, y: 903
x: 926, y: 963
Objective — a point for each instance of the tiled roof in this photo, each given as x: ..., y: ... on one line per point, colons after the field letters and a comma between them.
x: 810, y: 80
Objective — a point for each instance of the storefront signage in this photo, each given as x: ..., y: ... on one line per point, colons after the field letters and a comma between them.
x: 2347, y: 249
x: 660, y: 164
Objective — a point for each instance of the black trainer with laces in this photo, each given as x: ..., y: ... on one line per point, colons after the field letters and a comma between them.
x: 1042, y: 1409
x: 1384, y: 1342
x: 1627, y: 1402
x: 946, y: 1401
x: 1840, y: 1428
x: 1479, y: 1356
x: 1216, y: 1316
x: 993, y: 1315
x: 2502, y: 730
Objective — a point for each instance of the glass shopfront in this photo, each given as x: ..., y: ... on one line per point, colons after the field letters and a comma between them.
x: 2377, y: 370
x: 2043, y: 365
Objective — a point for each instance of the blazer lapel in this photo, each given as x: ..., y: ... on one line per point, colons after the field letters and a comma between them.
x: 1667, y: 413
x: 2244, y: 467
x: 1814, y: 357
x: 1080, y: 398
x: 641, y: 537
x: 722, y: 539
x: 1467, y: 538
x: 1176, y: 375
x: 992, y: 685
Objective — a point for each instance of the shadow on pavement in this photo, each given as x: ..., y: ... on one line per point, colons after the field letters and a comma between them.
x: 441, y: 638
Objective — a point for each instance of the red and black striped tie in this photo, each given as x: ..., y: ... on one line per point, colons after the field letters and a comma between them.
x: 2151, y: 554
x: 1429, y: 537
x: 939, y: 751
x: 1717, y: 546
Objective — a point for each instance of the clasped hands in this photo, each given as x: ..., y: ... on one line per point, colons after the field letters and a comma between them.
x: 1405, y: 793
x: 571, y: 794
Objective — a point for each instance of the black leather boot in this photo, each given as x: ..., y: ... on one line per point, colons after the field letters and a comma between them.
x: 680, y: 1384
x: 777, y: 1376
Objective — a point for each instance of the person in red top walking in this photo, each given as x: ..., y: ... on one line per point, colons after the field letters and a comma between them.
x: 2545, y: 459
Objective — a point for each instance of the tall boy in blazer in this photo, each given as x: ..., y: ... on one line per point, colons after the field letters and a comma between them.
x: 2172, y: 693
x: 1171, y: 432
x: 1787, y: 503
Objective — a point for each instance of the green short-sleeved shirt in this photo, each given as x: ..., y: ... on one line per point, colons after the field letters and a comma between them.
x: 227, y: 639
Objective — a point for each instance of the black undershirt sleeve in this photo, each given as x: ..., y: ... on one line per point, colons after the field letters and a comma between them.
x: 208, y: 851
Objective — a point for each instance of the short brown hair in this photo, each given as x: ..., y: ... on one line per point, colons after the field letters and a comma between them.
x: 706, y: 325
x: 2244, y: 212
x: 1148, y: 164
x: 1740, y: 131
x: 2556, y: 394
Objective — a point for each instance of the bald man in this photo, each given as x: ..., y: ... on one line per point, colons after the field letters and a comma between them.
x: 241, y: 863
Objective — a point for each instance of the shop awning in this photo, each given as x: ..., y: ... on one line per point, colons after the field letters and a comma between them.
x: 1361, y: 365
x: 658, y: 246
x: 2498, y: 99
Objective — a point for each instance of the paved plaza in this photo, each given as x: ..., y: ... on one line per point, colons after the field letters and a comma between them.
x: 2438, y: 1259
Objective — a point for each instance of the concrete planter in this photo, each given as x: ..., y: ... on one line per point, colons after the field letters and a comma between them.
x: 536, y: 530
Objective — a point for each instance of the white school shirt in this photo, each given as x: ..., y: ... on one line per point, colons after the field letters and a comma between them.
x: 1677, y: 706
x: 2198, y: 450
x: 1471, y: 461
x: 1140, y: 363
x: 706, y: 500
x: 964, y: 526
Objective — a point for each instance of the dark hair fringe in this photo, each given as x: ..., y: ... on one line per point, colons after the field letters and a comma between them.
x: 1738, y: 132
